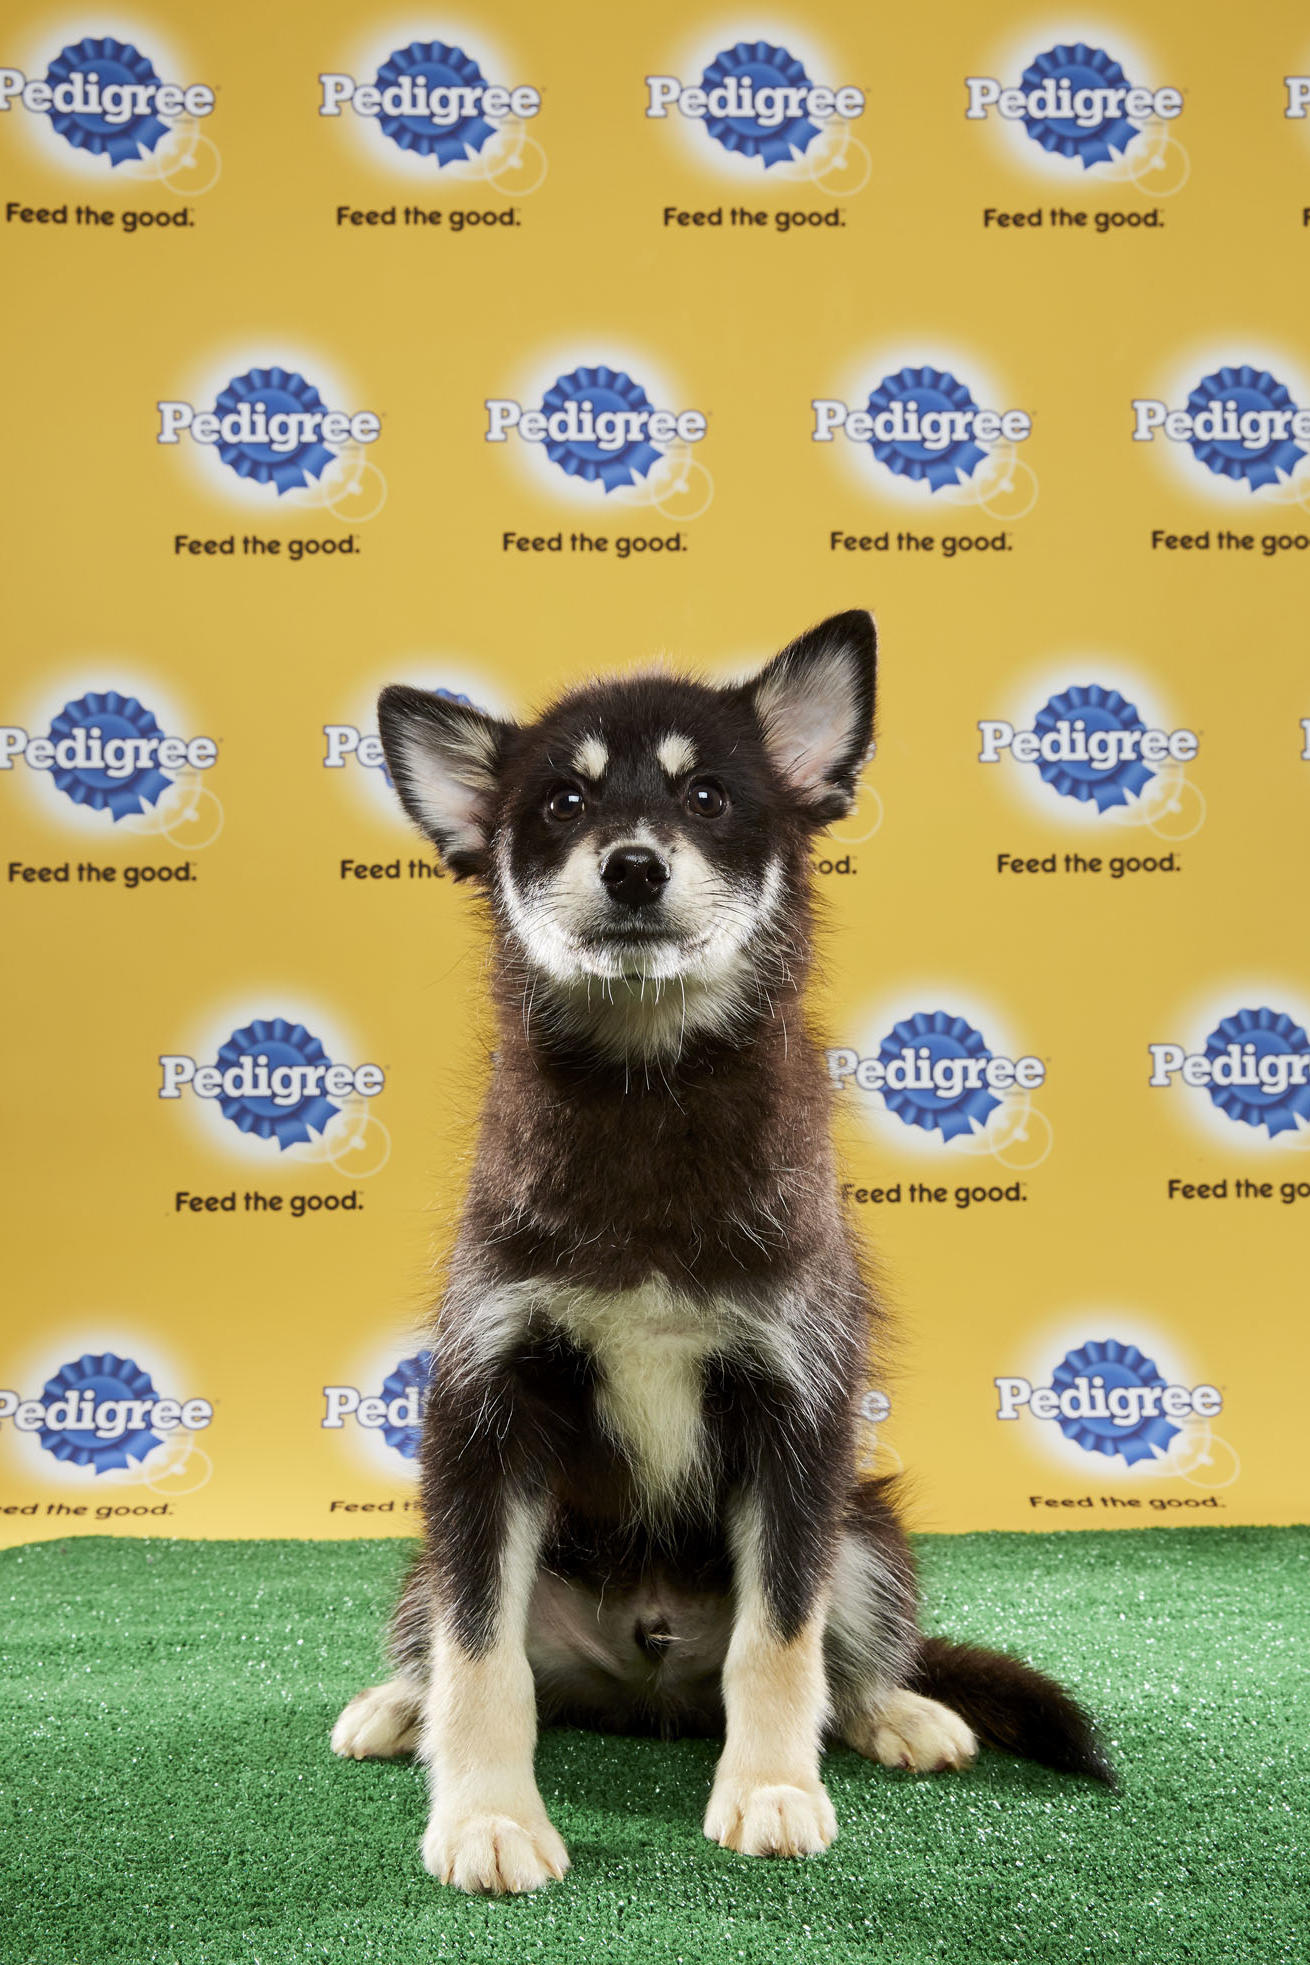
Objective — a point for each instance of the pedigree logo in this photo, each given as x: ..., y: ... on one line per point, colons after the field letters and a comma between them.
x: 431, y: 100
x: 1241, y: 424
x: 1077, y: 105
x: 105, y: 99
x: 107, y: 754
x: 935, y: 1071
x: 1089, y: 745
x: 350, y: 746
x: 922, y: 425
x: 270, y: 426
x: 345, y: 758
x: 757, y: 102
x: 275, y: 1089
x: 1253, y: 1068
x: 599, y: 429
x: 101, y: 1413
x: 1110, y: 1399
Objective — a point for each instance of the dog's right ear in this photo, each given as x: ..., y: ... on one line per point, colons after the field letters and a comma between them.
x: 815, y: 702
x: 444, y: 758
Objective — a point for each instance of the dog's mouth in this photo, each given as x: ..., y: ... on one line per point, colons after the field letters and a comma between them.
x: 638, y: 955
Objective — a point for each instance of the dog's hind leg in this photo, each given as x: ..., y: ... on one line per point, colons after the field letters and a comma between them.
x: 382, y: 1722
x: 922, y: 1702
x: 872, y: 1644
x: 903, y: 1729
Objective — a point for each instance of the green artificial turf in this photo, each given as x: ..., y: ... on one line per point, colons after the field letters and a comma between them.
x: 169, y: 1795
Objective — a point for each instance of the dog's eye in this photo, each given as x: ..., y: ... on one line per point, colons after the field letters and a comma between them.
x: 705, y: 799
x: 566, y: 802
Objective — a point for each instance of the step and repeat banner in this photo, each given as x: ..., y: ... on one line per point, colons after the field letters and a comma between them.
x: 488, y: 349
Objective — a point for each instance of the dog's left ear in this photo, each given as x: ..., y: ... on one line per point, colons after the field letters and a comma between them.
x: 444, y: 757
x: 815, y: 701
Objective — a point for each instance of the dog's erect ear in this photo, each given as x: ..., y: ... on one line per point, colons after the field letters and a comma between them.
x: 444, y: 758
x: 815, y: 702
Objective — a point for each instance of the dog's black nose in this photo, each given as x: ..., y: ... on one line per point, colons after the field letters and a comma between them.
x: 634, y: 876
x: 654, y: 1638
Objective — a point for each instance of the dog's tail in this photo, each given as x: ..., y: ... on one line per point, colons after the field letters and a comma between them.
x: 1011, y: 1706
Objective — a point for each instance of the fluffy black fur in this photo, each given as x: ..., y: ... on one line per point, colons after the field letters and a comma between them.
x: 654, y: 1163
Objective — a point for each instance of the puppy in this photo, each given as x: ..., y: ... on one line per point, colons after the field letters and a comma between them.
x: 639, y: 1497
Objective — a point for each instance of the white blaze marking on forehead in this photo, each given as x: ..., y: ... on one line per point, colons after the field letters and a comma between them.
x: 677, y: 754
x: 591, y: 758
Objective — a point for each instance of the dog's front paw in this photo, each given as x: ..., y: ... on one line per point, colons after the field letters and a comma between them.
x: 918, y: 1733
x: 770, y: 1819
x: 493, y: 1853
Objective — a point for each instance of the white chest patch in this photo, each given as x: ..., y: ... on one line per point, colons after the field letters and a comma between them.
x: 650, y: 1347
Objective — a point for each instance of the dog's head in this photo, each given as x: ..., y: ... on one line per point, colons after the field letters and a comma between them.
x: 643, y: 843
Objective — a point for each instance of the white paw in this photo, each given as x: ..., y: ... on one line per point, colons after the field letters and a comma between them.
x: 493, y: 1853
x: 378, y: 1724
x: 910, y: 1731
x: 762, y: 1819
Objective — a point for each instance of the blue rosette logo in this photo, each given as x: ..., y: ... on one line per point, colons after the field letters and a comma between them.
x: 935, y: 1073
x: 275, y: 1046
x: 103, y: 98
x: 766, y: 68
x: 1242, y: 423
x: 1252, y: 1036
x: 926, y: 1100
x: 125, y: 728
x: 277, y: 392
x: 1081, y: 776
x: 275, y: 1083
x: 602, y: 392
x: 107, y: 754
x: 1072, y: 69
x: 1252, y: 393
x: 924, y: 426
x: 433, y: 103
x: 439, y: 67
x: 1110, y: 1399
x: 1092, y: 747
x: 404, y: 1390
x: 72, y: 1397
x: 1092, y: 1423
x: 101, y: 1414
x: 597, y: 425
x: 1075, y: 103
x: 758, y: 104
x: 1255, y: 1067
x: 925, y: 392
x: 271, y: 426
x: 122, y: 136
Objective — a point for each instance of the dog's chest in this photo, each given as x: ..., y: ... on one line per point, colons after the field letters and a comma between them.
x: 649, y: 1346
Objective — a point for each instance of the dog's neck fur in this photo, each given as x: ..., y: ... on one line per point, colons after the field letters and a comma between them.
x: 709, y: 1163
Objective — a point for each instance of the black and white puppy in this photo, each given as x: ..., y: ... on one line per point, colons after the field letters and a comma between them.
x: 640, y: 1504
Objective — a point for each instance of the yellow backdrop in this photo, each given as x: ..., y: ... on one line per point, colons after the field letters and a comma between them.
x: 983, y: 317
